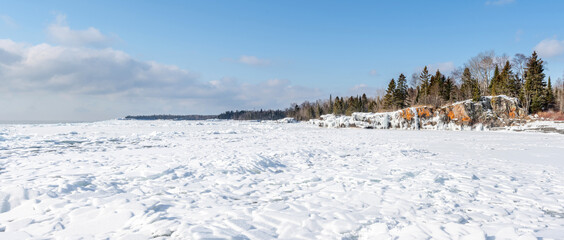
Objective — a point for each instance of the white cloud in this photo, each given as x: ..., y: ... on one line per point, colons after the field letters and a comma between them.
x: 59, y: 32
x: 373, y: 72
x: 81, y: 83
x: 252, y: 60
x: 499, y: 2
x: 549, y: 48
x: 8, y: 21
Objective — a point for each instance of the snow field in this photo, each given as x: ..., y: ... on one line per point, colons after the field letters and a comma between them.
x: 251, y: 180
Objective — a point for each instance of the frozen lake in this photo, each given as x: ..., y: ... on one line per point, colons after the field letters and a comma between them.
x: 250, y: 180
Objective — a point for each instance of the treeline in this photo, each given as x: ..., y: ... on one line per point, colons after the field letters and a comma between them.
x: 253, y: 115
x: 484, y: 75
x: 524, y: 81
x: 171, y: 117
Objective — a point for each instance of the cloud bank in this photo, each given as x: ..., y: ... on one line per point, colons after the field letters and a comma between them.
x: 108, y: 77
x: 550, y: 48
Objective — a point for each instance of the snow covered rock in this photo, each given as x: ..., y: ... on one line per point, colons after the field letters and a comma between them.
x: 489, y: 112
x: 286, y: 120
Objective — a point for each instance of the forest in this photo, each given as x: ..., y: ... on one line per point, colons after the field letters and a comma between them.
x: 486, y: 74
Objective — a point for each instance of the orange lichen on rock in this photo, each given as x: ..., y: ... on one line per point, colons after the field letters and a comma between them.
x: 450, y: 115
x: 512, y: 112
x: 422, y: 112
x: 407, y: 114
x: 459, y: 112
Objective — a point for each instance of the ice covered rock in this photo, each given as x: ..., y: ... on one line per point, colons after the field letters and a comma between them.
x: 489, y: 112
x: 286, y: 120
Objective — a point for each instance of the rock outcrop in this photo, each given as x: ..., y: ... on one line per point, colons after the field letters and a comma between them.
x: 489, y: 112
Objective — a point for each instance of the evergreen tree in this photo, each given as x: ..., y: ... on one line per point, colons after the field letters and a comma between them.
x: 535, y: 85
x: 364, y: 103
x: 448, y: 86
x: 476, y: 95
x: 424, y: 78
x: 337, y: 106
x: 495, y: 83
x: 400, y: 93
x: 330, y: 103
x: 550, y: 99
x: 389, y: 97
x: 466, y: 89
x: 436, y: 88
x: 510, y: 84
x: 318, y: 110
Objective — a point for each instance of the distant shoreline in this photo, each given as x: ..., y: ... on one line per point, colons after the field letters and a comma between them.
x: 171, y: 117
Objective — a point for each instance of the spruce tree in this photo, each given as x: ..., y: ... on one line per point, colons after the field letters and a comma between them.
x: 424, y: 77
x: 400, y: 93
x: 535, y: 85
x: 389, y: 97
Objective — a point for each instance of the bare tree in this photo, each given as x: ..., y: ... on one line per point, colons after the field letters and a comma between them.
x: 456, y: 75
x: 559, y: 87
x: 481, y: 67
x: 500, y: 60
x: 414, y: 81
x: 519, y: 63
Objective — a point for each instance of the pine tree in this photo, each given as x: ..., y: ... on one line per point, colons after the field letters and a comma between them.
x: 400, y: 93
x: 535, y: 85
x: 389, y: 97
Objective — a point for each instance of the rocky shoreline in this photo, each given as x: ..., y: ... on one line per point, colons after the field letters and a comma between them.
x: 487, y: 113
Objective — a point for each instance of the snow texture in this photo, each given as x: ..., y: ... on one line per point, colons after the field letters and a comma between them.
x: 263, y: 180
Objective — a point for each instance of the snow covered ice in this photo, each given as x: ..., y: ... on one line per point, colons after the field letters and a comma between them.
x: 263, y: 180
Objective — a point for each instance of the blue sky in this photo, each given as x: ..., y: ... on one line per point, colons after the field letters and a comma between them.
x: 93, y: 60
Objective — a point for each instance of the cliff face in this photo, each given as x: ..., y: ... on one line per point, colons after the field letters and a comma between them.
x: 489, y: 112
